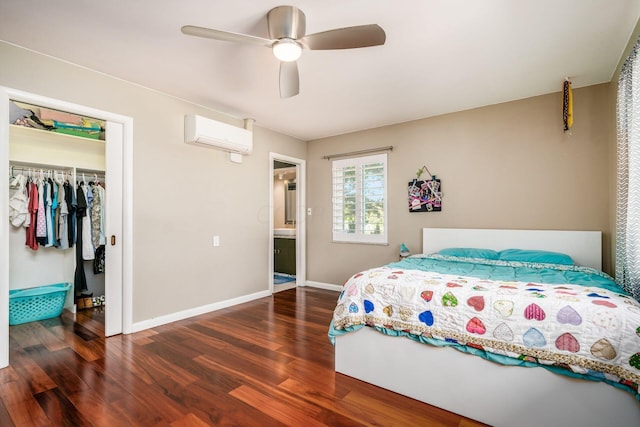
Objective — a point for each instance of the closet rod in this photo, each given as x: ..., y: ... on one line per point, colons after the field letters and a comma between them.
x: 35, y: 168
x: 25, y: 170
x: 43, y: 166
x: 89, y: 177
x: 357, y: 153
x: 90, y: 173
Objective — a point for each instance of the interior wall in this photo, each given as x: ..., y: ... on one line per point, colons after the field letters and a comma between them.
x: 183, y: 195
x: 503, y: 166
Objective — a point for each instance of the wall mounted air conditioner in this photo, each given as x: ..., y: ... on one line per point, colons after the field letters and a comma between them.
x: 205, y: 132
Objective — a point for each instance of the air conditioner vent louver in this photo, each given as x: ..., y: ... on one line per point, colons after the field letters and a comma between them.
x: 210, y: 133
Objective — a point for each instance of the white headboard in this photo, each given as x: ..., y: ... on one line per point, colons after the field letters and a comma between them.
x: 585, y: 247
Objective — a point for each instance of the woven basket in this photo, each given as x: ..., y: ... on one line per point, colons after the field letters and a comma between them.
x: 43, y: 302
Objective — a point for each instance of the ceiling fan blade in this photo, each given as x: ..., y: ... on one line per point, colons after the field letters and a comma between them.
x: 346, y: 38
x: 289, y: 79
x: 227, y: 36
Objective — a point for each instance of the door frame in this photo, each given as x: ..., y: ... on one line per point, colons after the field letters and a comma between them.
x: 117, y: 311
x: 301, y: 257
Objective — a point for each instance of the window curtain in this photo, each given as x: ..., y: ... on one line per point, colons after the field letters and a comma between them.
x: 628, y: 176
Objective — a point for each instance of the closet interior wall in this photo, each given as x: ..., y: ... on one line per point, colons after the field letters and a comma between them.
x: 33, y: 150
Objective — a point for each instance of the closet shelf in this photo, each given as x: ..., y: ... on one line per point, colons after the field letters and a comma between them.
x: 28, y: 132
x: 55, y: 121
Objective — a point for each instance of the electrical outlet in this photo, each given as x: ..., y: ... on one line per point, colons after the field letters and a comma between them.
x: 309, y: 211
x: 216, y: 241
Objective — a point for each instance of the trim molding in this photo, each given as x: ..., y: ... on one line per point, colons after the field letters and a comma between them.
x: 321, y: 285
x: 185, y: 314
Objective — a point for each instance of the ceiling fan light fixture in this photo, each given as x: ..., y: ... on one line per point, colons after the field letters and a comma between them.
x: 286, y: 27
x: 287, y: 50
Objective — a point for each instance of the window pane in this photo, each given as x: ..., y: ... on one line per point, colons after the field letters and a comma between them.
x: 373, y: 203
x: 359, y: 205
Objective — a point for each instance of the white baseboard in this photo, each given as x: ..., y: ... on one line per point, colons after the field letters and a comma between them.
x: 181, y: 315
x: 321, y: 285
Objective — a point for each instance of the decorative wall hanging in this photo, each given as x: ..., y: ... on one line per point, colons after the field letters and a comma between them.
x: 567, y: 105
x: 425, y: 195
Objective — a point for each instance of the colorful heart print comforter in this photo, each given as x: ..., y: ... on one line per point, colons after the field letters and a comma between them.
x: 570, y: 328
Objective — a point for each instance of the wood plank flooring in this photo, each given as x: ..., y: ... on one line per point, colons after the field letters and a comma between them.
x: 264, y: 363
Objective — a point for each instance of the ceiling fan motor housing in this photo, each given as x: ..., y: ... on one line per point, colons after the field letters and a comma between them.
x: 286, y: 22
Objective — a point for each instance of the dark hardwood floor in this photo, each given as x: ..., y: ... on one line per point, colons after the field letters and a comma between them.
x: 263, y: 363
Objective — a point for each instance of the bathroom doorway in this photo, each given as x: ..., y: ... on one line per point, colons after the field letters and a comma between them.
x: 286, y: 223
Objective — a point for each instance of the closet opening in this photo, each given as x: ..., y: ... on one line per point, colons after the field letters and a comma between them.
x: 63, y: 216
x: 56, y: 211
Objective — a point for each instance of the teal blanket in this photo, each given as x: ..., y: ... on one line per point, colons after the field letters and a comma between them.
x: 516, y: 271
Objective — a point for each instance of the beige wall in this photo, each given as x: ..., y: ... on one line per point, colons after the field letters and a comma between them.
x: 503, y: 166
x: 183, y: 194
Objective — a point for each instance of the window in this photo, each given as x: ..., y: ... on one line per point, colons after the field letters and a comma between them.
x: 360, y: 199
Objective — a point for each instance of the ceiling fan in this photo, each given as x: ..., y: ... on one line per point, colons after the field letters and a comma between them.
x: 287, y: 26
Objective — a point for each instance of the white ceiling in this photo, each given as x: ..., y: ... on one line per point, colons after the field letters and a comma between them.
x: 440, y: 56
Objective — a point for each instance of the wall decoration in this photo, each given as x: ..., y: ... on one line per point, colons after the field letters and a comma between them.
x: 425, y: 195
x: 567, y: 105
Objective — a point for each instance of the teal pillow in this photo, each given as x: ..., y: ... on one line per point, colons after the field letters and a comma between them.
x: 531, y: 255
x: 470, y: 253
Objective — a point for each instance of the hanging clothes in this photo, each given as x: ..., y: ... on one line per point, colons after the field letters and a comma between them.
x: 48, y: 194
x: 80, y: 280
x: 41, y: 220
x: 97, y: 204
x: 63, y: 235
x: 70, y: 199
x: 55, y: 212
x: 33, y: 215
x: 103, y: 237
x: 97, y: 227
x: 52, y: 216
x: 27, y: 220
x: 99, y: 261
x: 18, y: 203
x: 88, y: 251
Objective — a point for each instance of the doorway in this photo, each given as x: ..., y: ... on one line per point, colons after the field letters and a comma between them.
x: 118, y: 154
x: 287, y: 225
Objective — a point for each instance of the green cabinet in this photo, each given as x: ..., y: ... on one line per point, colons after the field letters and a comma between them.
x: 284, y: 256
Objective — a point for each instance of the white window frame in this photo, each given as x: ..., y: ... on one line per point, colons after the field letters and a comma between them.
x: 359, y: 235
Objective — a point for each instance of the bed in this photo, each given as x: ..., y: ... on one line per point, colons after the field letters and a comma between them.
x: 591, y: 380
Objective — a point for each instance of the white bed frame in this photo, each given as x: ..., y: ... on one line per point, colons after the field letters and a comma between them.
x: 474, y: 387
